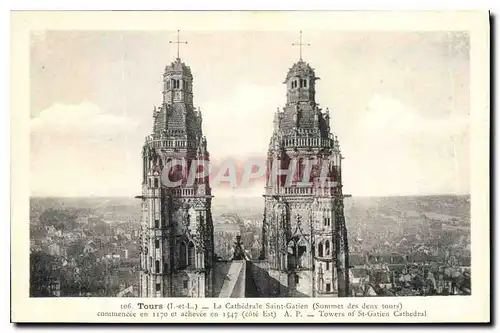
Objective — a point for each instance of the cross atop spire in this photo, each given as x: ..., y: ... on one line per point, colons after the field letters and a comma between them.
x: 300, y: 44
x: 178, y: 42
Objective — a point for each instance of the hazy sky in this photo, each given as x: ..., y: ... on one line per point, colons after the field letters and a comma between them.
x: 399, y: 103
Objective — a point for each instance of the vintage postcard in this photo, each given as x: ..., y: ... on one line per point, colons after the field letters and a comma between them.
x: 309, y: 167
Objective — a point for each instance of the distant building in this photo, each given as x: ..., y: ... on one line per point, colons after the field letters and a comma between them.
x: 231, y: 229
x: 90, y: 247
x: 55, y: 287
x: 128, y: 292
x: 82, y: 219
x: 55, y: 249
x: 359, y: 275
x: 92, y: 221
x: 357, y: 259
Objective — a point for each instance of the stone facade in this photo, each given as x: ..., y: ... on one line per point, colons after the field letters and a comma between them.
x: 304, y: 232
x: 177, y: 228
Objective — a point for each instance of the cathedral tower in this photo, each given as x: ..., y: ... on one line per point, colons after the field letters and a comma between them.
x: 177, y: 229
x: 304, y: 231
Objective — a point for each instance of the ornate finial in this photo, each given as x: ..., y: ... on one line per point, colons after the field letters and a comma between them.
x: 239, y: 252
x: 178, y: 42
x: 299, y: 219
x: 300, y: 44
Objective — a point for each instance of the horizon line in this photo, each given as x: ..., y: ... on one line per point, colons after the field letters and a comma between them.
x: 253, y: 196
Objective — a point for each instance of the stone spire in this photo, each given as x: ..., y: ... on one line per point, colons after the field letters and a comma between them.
x: 239, y: 252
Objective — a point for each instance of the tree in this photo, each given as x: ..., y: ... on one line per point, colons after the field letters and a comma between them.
x: 417, y: 283
x: 41, y: 272
x: 76, y: 248
x: 70, y: 284
x: 59, y: 219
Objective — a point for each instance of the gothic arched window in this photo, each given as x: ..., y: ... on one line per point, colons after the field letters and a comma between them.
x: 300, y: 169
x: 157, y: 266
x: 182, y: 255
x: 320, y: 250
x: 292, y: 262
x: 327, y: 247
x: 191, y: 254
x: 302, y: 254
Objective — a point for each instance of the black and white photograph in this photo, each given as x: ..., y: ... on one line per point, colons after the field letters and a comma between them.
x: 251, y: 163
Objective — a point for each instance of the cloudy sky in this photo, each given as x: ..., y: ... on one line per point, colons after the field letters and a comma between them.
x: 398, y: 101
